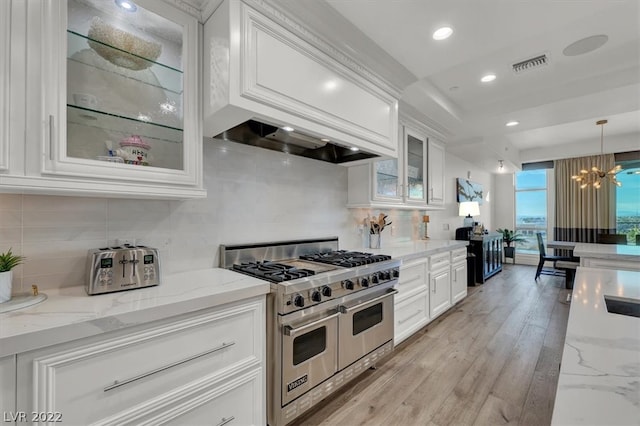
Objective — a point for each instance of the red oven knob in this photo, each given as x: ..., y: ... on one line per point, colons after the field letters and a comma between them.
x: 348, y: 284
x: 298, y: 301
x: 326, y: 291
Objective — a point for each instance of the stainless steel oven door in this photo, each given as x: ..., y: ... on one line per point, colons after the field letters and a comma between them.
x: 364, y: 326
x: 309, y: 354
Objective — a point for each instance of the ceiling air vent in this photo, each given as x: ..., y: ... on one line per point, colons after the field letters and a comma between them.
x: 530, y: 64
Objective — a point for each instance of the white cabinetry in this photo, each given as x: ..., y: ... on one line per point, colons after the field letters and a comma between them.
x: 204, y: 368
x: 427, y: 288
x: 5, y: 86
x: 114, y: 105
x: 458, y: 275
x: 8, y: 385
x: 439, y: 284
x: 412, y: 301
x: 436, y: 162
x: 413, y: 181
x: 258, y: 65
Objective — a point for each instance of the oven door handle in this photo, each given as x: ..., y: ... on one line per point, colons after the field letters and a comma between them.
x: 290, y: 331
x: 347, y: 309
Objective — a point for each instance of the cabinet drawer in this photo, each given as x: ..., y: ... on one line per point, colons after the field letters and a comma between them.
x: 412, y: 276
x: 459, y: 255
x: 94, y: 381
x: 234, y: 403
x: 410, y: 315
x: 438, y: 261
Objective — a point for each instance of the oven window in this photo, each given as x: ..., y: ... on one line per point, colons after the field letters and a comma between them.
x: 309, y: 345
x: 367, y: 318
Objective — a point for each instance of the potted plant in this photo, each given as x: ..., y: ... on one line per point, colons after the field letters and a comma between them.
x: 8, y: 261
x: 509, y: 237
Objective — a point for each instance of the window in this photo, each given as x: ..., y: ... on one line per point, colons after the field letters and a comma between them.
x: 628, y: 203
x: 531, y: 208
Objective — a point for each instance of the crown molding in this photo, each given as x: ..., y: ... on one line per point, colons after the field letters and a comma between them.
x: 410, y: 116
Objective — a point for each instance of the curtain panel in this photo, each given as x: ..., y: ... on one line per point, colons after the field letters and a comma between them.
x: 582, y: 214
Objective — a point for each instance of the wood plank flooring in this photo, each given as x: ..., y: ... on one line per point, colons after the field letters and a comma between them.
x: 493, y: 359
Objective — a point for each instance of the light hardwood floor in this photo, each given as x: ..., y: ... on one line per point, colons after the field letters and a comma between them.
x: 492, y: 359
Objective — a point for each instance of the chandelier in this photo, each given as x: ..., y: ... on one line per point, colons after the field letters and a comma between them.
x: 595, y: 176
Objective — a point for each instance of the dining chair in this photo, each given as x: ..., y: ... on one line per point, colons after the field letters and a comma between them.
x: 544, y: 257
x: 611, y: 239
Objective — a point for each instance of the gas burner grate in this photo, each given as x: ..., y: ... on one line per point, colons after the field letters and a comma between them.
x: 347, y: 259
x: 272, y: 271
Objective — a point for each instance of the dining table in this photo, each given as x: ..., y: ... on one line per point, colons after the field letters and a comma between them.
x: 562, y: 245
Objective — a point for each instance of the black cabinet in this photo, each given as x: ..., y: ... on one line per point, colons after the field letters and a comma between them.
x: 488, y: 251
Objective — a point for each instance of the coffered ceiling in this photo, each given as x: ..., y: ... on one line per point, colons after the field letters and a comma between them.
x: 555, y: 104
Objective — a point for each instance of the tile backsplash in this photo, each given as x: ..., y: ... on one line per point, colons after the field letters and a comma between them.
x: 254, y: 195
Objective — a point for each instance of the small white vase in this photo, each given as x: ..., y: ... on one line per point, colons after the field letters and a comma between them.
x: 5, y: 286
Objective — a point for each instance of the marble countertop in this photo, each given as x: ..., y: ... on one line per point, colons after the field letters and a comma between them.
x: 411, y: 250
x: 599, y: 381
x: 69, y: 314
x: 607, y: 251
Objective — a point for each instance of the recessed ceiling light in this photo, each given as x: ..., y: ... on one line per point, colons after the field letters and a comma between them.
x: 288, y: 129
x: 325, y: 140
x: 487, y: 78
x: 512, y: 123
x: 442, y: 33
x: 353, y: 148
x: 127, y: 5
x: 585, y: 45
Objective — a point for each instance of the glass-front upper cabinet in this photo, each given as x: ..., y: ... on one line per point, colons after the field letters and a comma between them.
x: 127, y: 103
x: 404, y: 181
x: 415, y: 160
x: 388, y: 179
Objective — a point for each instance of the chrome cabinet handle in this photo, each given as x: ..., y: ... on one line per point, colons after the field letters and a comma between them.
x: 347, y: 309
x: 410, y: 316
x: 117, y: 384
x: 224, y: 421
x: 51, y: 135
x: 290, y: 331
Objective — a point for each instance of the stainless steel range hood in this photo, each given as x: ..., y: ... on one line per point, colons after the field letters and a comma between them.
x: 292, y: 142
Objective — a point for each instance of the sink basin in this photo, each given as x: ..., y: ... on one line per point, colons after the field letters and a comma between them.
x: 623, y: 306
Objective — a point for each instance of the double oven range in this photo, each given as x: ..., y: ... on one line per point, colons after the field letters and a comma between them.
x: 329, y: 317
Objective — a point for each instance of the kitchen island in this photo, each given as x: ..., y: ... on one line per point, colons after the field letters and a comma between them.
x: 610, y: 256
x: 600, y: 369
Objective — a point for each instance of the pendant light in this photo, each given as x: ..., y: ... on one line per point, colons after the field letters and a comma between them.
x: 595, y: 176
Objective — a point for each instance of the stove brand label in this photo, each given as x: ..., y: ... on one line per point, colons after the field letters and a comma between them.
x: 298, y: 382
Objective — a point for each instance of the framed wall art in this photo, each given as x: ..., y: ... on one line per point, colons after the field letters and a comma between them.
x: 467, y: 190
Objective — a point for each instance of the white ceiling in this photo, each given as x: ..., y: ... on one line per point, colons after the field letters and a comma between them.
x: 555, y: 104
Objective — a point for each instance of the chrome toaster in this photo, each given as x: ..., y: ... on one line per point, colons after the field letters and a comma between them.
x: 122, y: 268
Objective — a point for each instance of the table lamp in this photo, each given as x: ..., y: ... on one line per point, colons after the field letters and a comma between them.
x: 468, y: 209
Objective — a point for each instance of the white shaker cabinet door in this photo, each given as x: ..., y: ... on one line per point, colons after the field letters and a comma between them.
x: 440, y: 296
x: 436, y: 174
x: 112, y: 100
